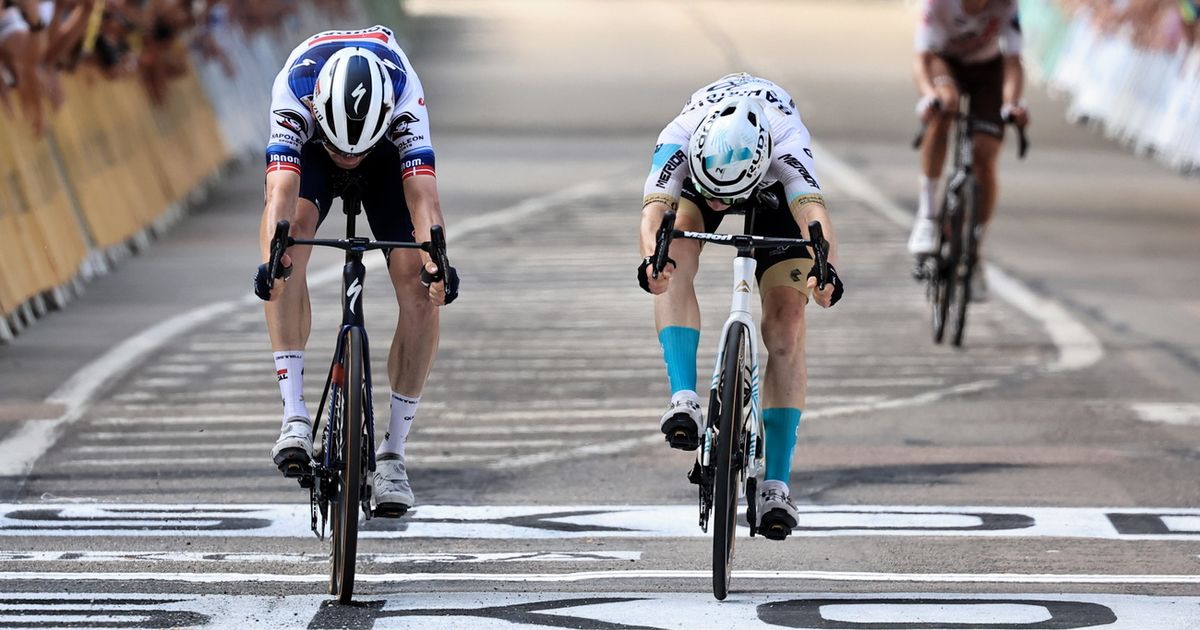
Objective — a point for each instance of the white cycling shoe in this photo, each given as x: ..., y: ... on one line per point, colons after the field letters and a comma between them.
x: 682, y: 422
x: 923, y: 241
x: 776, y: 513
x: 292, y: 452
x: 391, y: 491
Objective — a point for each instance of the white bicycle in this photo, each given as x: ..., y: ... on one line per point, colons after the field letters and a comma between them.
x: 731, y: 453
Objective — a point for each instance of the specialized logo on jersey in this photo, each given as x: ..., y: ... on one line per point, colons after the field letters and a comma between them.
x: 790, y: 160
x: 400, y: 126
x: 302, y: 63
x: 292, y: 121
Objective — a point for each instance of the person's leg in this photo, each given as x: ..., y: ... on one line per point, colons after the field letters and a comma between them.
x: 987, y: 94
x: 677, y: 318
x: 414, y: 346
x: 923, y: 239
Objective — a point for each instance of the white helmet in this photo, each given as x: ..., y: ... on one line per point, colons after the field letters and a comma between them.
x: 353, y: 100
x: 731, y: 150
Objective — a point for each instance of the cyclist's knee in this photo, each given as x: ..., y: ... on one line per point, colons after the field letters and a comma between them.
x: 784, y: 326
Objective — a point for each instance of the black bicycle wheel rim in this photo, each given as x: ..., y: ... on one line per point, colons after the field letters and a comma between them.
x: 966, y: 269
x: 345, y: 538
x: 725, y: 492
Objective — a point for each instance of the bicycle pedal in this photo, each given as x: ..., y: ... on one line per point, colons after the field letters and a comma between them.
x: 775, y: 531
x: 306, y: 481
x: 680, y: 433
x: 293, y: 463
x: 390, y: 510
x: 695, y: 475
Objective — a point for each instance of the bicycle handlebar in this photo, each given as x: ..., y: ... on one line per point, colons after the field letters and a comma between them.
x: 1022, y: 139
x: 280, y: 242
x: 816, y: 240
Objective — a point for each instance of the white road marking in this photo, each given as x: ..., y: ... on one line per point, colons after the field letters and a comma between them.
x: 491, y: 522
x: 242, y: 446
x: 423, y: 429
x: 1168, y: 413
x: 674, y: 611
x: 585, y: 576
x: 1077, y: 347
x: 321, y: 559
x: 262, y: 461
x: 603, y: 448
x: 79, y: 390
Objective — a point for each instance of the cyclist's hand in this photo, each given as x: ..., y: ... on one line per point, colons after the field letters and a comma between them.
x: 1015, y: 112
x: 646, y: 279
x: 833, y: 290
x: 928, y: 107
x: 443, y: 291
x: 260, y: 279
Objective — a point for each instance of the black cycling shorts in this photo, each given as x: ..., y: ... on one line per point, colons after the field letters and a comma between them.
x: 379, y: 177
x: 984, y: 83
x: 776, y: 222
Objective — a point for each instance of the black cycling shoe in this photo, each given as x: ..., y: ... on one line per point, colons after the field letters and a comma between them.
x: 776, y: 525
x: 680, y: 432
x: 294, y: 463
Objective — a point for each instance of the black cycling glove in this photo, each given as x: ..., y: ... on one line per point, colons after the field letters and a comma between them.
x: 644, y: 271
x: 451, y: 282
x: 262, y: 284
x: 838, y: 287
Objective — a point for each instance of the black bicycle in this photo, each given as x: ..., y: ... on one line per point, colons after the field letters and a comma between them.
x: 947, y: 274
x: 731, y: 452
x: 343, y: 462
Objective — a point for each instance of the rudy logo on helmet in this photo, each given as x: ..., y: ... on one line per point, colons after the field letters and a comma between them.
x: 731, y: 150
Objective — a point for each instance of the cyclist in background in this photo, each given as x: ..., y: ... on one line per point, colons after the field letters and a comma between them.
x: 348, y: 117
x: 967, y: 47
x: 735, y: 137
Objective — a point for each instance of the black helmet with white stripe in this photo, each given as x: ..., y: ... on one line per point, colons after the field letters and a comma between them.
x: 353, y: 100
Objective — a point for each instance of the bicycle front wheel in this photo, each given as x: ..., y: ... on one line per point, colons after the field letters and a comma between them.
x: 348, y: 473
x: 728, y: 459
x: 944, y: 281
x: 966, y: 267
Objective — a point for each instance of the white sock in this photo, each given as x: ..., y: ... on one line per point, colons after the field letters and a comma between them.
x: 927, y: 198
x: 289, y: 370
x: 404, y: 409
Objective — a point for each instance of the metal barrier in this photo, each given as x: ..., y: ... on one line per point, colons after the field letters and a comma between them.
x: 1148, y: 100
x: 114, y: 170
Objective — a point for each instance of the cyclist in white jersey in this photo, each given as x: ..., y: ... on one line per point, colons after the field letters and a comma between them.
x: 734, y: 137
x: 348, y: 117
x: 968, y: 47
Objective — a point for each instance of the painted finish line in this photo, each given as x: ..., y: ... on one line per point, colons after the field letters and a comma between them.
x: 816, y: 611
x: 638, y: 521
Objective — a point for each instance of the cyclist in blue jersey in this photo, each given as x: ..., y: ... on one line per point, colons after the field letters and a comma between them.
x: 348, y: 117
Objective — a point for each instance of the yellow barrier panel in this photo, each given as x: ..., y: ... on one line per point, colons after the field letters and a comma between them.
x: 113, y: 163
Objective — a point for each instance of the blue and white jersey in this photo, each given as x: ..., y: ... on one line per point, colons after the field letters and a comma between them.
x: 292, y: 122
x: 791, y: 158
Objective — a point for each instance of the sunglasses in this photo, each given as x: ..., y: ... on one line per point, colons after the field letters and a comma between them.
x: 729, y: 201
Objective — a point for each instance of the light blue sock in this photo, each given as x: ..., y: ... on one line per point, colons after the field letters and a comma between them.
x: 679, y: 345
x: 780, y: 424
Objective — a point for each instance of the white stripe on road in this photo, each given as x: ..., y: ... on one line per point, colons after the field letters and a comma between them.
x: 1168, y: 413
x: 490, y: 522
x: 242, y: 446
x: 318, y: 559
x: 216, y: 461
x: 79, y: 390
x: 585, y: 576
x: 420, y: 430
x: 1077, y: 347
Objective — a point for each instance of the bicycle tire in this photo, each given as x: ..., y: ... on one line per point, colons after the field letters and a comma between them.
x: 964, y: 269
x: 344, y: 548
x: 942, y: 279
x: 729, y: 439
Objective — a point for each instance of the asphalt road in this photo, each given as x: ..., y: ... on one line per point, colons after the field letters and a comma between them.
x: 1043, y: 477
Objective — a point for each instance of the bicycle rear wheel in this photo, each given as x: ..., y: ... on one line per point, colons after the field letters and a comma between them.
x: 942, y: 281
x: 965, y: 267
x: 348, y: 472
x: 728, y: 459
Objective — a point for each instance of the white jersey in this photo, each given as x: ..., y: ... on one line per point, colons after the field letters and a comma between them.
x: 292, y: 122
x: 791, y: 160
x: 949, y: 31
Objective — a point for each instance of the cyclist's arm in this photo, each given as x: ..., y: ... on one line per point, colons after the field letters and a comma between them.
x: 922, y: 77
x: 1011, y: 42
x: 930, y: 37
x: 283, y: 191
x: 794, y: 166
x: 421, y: 193
x: 811, y: 208
x: 652, y: 215
x: 668, y: 169
x: 1014, y: 79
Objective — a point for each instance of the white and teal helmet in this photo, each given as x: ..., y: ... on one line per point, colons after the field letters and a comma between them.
x: 353, y: 100
x: 730, y: 152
